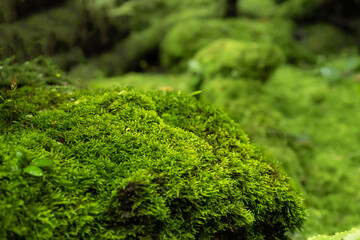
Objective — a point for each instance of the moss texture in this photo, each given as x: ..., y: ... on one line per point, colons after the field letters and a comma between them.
x: 353, y: 234
x: 186, y: 38
x: 121, y: 164
x: 307, y: 120
x: 231, y: 58
x: 324, y: 39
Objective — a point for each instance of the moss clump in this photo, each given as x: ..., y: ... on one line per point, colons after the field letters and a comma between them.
x: 130, y: 165
x: 324, y: 39
x: 231, y: 58
x: 40, y: 71
x: 185, y: 39
x: 353, y: 234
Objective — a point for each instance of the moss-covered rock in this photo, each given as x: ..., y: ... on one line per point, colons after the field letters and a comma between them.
x: 186, y: 38
x: 40, y: 71
x: 353, y: 234
x: 324, y: 39
x: 71, y: 26
x: 231, y: 58
x: 122, y: 164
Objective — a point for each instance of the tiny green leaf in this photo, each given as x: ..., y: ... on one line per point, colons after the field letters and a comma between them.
x: 41, y: 163
x: 195, y: 93
x: 22, y: 160
x: 34, y: 171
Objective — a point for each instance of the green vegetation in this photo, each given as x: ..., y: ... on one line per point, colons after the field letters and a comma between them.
x: 230, y: 58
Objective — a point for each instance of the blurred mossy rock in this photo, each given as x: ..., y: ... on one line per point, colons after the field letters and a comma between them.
x: 133, y: 165
x: 185, y: 39
x: 62, y: 31
x: 236, y: 59
x: 334, y: 12
x: 353, y: 234
x: 258, y: 8
x: 324, y: 38
x: 12, y: 10
x: 140, y: 50
x: 40, y: 71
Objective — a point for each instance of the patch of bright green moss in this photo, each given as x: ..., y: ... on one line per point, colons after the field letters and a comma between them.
x: 353, y: 234
x: 132, y: 165
x: 231, y: 58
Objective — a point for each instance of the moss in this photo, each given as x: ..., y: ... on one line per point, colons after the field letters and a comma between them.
x: 186, y: 38
x: 12, y: 10
x: 74, y: 24
x: 309, y: 124
x: 324, y: 39
x: 259, y: 8
x: 185, y: 83
x: 40, y: 71
x: 353, y: 234
x: 231, y: 58
x: 132, y: 165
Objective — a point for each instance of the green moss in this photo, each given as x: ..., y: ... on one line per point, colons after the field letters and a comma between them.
x: 353, y: 234
x: 186, y: 38
x: 40, y: 71
x: 309, y: 123
x: 259, y: 8
x: 145, y: 82
x: 231, y: 58
x: 324, y: 39
x: 11, y: 10
x: 132, y: 165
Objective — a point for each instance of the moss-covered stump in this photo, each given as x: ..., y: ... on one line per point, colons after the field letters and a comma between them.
x: 353, y: 234
x: 231, y: 58
x: 122, y: 164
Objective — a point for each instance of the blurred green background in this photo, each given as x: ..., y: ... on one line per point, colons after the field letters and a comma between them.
x: 287, y: 71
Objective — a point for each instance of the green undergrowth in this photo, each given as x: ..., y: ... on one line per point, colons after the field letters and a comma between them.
x: 123, y: 164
